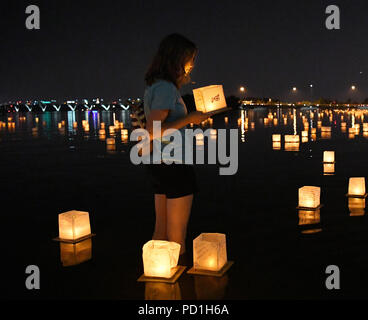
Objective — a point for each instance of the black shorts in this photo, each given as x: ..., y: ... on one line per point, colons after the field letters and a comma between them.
x: 172, y: 180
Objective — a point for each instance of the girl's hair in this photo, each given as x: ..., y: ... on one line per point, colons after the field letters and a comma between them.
x: 168, y: 63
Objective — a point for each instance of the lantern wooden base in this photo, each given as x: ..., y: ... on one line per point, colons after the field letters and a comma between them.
x: 354, y: 196
x: 173, y: 279
x: 310, y: 209
x: 219, y: 273
x: 76, y: 240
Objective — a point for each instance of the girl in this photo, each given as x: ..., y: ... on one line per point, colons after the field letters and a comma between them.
x: 175, y: 184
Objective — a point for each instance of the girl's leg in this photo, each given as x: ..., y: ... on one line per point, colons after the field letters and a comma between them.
x: 160, y: 232
x: 178, y: 212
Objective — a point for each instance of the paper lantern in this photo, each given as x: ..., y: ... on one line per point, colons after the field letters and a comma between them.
x: 102, y: 125
x: 304, y: 139
x: 291, y: 138
x: 209, y: 98
x: 326, y: 129
x: 314, y: 131
x: 84, y: 122
x: 86, y: 127
x: 276, y: 138
x: 275, y: 122
x: 124, y: 132
x: 304, y: 134
x: 72, y: 254
x: 365, y: 127
x: 326, y: 135
x: 285, y: 121
x: 309, y: 197
x: 209, y: 251
x: 112, y: 129
x: 329, y: 156
x: 356, y: 206
x: 59, y: 125
x: 75, y: 125
x: 74, y: 225
x: 160, y: 258
x: 101, y: 132
x: 356, y: 187
x: 252, y: 125
x: 319, y: 124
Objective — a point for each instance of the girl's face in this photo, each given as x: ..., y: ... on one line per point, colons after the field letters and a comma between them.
x: 189, y: 66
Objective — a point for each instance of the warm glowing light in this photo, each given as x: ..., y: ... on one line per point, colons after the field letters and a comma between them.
x: 291, y: 138
x: 276, y: 137
x: 353, y: 87
x: 304, y: 133
x: 209, y: 98
x: 110, y: 141
x: 160, y: 258
x: 356, y: 187
x: 242, y: 89
x: 276, y: 145
x: 328, y: 168
x: 329, y: 156
x: 209, y: 251
x: 309, y: 197
x: 74, y: 225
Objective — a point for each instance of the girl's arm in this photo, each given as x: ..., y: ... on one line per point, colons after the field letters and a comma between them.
x: 195, y: 117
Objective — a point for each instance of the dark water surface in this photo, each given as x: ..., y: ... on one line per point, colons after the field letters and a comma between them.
x: 48, y: 171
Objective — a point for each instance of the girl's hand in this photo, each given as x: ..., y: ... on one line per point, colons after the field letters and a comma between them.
x: 197, y: 117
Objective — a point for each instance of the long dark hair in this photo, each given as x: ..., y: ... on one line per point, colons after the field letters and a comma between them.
x: 168, y: 63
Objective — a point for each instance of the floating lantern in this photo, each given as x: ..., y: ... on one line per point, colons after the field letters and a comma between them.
x: 72, y: 254
x: 121, y: 125
x: 291, y: 138
x: 365, y: 127
x: 276, y: 138
x: 36, y: 120
x: 319, y: 123
x: 252, y: 125
x: 110, y: 141
x: 343, y: 124
x: 313, y: 130
x: 59, y: 125
x: 285, y: 121
x: 74, y: 226
x: 329, y: 156
x: 75, y: 125
x: 275, y: 122
x: 84, y: 122
x: 101, y: 132
x: 304, y: 133
x: 328, y: 169
x: 226, y: 119
x: 356, y: 206
x: 326, y: 135
x: 209, y: 251
x: 124, y: 132
x: 309, y: 197
x: 112, y: 129
x: 86, y: 127
x: 326, y: 129
x: 365, y: 134
x: 357, y: 188
x: 304, y: 139
x: 209, y: 98
x: 160, y: 258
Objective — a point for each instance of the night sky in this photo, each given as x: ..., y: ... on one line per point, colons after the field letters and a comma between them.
x: 86, y: 50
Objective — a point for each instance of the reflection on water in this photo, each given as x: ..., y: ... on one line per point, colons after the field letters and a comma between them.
x: 210, y: 288
x: 356, y: 206
x: 162, y: 291
x: 309, y: 221
x: 75, y: 253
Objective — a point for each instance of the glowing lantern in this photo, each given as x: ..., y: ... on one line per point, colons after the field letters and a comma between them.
x: 209, y: 251
x: 293, y: 146
x: 329, y: 156
x: 309, y: 197
x: 304, y: 134
x: 112, y: 129
x: 285, y: 121
x: 313, y: 131
x: 226, y: 120
x: 101, y: 132
x: 356, y: 187
x: 209, y: 98
x: 276, y: 138
x: 102, y: 125
x: 275, y: 122
x: 365, y: 127
x: 326, y: 129
x: 319, y: 123
x: 304, y: 139
x: 326, y: 135
x: 160, y: 258
x: 36, y: 120
x: 124, y: 132
x: 252, y: 125
x: 86, y: 127
x: 75, y: 125
x: 59, y: 125
x: 343, y: 124
x: 291, y: 138
x: 74, y: 225
x: 84, y: 122
x: 75, y: 253
x: 121, y: 125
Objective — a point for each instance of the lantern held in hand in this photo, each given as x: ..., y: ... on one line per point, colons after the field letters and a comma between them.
x: 210, y: 98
